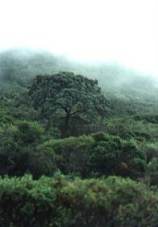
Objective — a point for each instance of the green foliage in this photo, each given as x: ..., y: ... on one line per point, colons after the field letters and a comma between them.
x: 97, y: 155
x: 22, y: 151
x: 19, y: 153
x: 152, y: 118
x: 71, y: 100
x: 114, y: 156
x: 71, y: 154
x: 25, y: 202
x: 129, y: 128
x: 29, y: 132
x: 33, y: 118
x: 60, y: 201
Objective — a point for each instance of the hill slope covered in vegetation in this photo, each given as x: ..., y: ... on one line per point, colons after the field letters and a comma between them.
x: 78, y: 143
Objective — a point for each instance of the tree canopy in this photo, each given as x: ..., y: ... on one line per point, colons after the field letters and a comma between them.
x: 72, y: 100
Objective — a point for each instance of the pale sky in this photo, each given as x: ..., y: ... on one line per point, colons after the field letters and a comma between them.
x: 116, y: 31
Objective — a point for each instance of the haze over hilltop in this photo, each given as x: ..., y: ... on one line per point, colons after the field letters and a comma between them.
x: 122, y: 32
x: 21, y: 65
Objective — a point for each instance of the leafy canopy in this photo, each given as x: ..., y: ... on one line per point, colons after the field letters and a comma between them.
x: 69, y: 99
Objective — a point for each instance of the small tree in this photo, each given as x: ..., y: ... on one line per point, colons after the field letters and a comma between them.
x: 68, y: 99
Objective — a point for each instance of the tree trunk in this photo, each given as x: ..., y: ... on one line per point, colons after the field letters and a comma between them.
x: 65, y: 131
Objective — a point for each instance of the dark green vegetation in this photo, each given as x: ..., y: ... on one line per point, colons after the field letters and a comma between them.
x: 74, y: 154
x: 66, y: 202
x: 68, y: 101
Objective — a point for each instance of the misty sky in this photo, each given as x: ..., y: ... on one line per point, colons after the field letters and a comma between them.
x: 117, y: 31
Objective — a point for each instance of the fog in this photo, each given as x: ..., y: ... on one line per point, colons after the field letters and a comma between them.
x: 22, y: 65
x: 114, y: 32
x: 112, y: 41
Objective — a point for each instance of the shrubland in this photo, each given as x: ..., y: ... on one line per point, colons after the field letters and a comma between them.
x: 75, y: 151
x: 66, y: 201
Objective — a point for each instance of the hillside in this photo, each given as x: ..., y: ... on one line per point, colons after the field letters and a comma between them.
x: 78, y: 143
x: 122, y: 86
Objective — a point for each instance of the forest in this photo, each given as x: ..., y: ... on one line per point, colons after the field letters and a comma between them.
x: 78, y: 143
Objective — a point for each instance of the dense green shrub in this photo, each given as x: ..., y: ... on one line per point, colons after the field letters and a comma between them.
x: 128, y: 128
x: 97, y: 155
x: 114, y: 156
x: 25, y: 149
x: 60, y: 201
x: 19, y: 153
x: 71, y: 154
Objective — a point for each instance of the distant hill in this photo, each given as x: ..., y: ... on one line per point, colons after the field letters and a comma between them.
x: 19, y: 66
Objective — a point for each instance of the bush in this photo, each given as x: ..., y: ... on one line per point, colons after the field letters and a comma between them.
x: 97, y: 155
x: 71, y: 154
x: 19, y: 152
x: 114, y: 156
x: 23, y: 149
x: 61, y: 201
